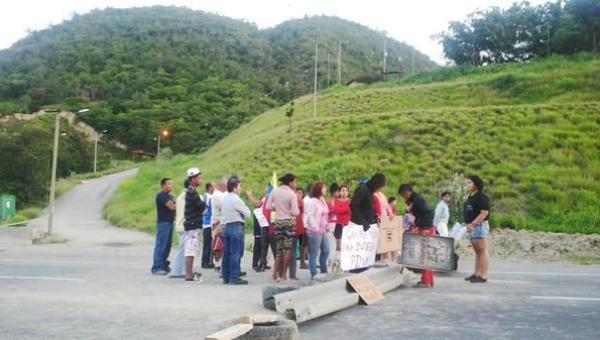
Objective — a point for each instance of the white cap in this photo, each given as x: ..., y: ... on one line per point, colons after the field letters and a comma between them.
x: 193, y: 172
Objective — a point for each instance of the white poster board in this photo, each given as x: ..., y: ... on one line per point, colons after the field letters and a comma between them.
x: 260, y: 217
x: 358, y: 247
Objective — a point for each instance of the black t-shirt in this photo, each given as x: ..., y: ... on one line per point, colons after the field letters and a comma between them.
x: 474, y: 205
x: 422, y: 212
x: 164, y: 214
x: 194, y: 210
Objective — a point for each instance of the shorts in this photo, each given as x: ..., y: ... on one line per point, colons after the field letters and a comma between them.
x: 191, y: 242
x: 337, y: 232
x: 480, y: 232
x: 217, y: 243
x: 285, y: 230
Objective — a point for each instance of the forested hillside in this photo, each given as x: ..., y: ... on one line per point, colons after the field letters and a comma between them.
x: 197, y: 74
x: 529, y: 130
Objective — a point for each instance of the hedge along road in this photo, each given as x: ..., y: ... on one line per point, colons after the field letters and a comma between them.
x: 97, y: 285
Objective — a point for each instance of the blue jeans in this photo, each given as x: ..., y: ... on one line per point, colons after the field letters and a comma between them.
x: 316, y: 243
x: 162, y: 246
x: 178, y: 269
x: 233, y: 247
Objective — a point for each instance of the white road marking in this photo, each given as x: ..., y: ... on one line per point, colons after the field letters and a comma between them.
x: 544, y: 273
x: 568, y: 298
x: 74, y: 263
x: 48, y: 278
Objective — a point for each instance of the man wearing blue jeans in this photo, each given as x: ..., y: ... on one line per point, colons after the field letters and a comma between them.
x: 165, y: 215
x: 234, y: 212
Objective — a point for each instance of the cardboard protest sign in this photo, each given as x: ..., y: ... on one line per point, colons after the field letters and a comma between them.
x: 390, y: 234
x: 427, y: 252
x: 358, y: 247
x: 366, y: 289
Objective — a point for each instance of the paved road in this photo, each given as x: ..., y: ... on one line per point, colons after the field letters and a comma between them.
x: 98, y: 286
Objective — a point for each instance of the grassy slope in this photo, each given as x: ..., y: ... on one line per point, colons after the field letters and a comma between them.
x: 529, y: 130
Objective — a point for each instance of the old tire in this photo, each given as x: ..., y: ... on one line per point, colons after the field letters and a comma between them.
x: 269, y: 291
x: 279, y: 330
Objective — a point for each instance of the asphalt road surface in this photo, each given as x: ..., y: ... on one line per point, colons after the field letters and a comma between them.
x: 98, y: 286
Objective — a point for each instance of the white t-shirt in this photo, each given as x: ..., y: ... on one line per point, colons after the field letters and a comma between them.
x: 217, y: 204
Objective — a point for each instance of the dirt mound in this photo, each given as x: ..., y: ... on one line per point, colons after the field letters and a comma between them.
x: 531, y: 245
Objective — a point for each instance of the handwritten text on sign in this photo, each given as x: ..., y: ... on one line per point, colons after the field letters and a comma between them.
x: 358, y: 247
x: 430, y: 252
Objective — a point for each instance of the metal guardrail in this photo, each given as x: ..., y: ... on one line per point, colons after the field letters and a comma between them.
x: 314, y: 301
x: 17, y: 223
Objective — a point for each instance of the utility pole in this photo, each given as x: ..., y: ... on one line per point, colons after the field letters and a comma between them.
x: 384, y: 58
x: 53, y: 180
x: 95, y: 154
x: 339, y: 69
x: 548, y: 38
x: 158, y: 146
x: 316, y: 66
x: 328, y: 68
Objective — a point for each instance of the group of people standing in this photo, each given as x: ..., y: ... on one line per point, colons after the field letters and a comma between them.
x: 295, y: 223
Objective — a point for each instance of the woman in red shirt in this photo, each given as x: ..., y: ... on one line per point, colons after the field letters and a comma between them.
x: 341, y: 207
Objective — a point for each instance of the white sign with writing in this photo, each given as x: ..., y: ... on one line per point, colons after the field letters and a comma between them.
x: 260, y: 217
x: 358, y: 246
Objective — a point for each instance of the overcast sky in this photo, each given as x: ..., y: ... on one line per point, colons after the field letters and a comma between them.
x: 411, y: 21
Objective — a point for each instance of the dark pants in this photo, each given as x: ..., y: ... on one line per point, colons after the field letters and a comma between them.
x: 256, y: 249
x: 207, y: 247
x: 162, y: 246
x: 233, y: 245
x: 264, y: 247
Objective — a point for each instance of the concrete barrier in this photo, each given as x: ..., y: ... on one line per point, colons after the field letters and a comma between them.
x: 311, y: 302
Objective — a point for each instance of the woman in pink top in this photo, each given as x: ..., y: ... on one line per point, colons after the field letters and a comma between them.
x: 315, y: 224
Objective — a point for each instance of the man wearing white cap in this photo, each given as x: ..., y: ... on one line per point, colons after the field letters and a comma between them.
x: 193, y: 218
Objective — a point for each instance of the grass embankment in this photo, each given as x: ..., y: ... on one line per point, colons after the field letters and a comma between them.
x: 530, y: 131
x: 34, y: 210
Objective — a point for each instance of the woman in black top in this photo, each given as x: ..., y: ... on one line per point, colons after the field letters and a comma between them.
x: 476, y: 213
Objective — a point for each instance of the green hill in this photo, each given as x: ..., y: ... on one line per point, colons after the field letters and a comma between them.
x: 199, y: 74
x: 529, y: 130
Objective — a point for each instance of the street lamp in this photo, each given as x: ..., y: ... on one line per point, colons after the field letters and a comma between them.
x: 163, y: 134
x: 96, y: 150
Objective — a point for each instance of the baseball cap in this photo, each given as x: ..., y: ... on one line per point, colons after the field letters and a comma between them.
x: 193, y: 172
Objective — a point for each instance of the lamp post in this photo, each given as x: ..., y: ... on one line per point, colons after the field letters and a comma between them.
x: 163, y: 133
x: 96, y: 150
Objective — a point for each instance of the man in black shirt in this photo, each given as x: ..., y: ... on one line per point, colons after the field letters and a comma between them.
x: 423, y: 224
x: 165, y: 216
x: 192, y: 225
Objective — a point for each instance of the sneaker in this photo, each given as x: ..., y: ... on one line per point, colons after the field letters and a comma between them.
x: 160, y: 272
x: 422, y: 285
x: 218, y: 269
x: 267, y: 267
x: 478, y: 279
x: 238, y: 282
x: 197, y: 274
x: 470, y: 277
x: 243, y: 274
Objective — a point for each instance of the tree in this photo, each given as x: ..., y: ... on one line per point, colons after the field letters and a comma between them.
x: 289, y: 113
x: 588, y: 13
